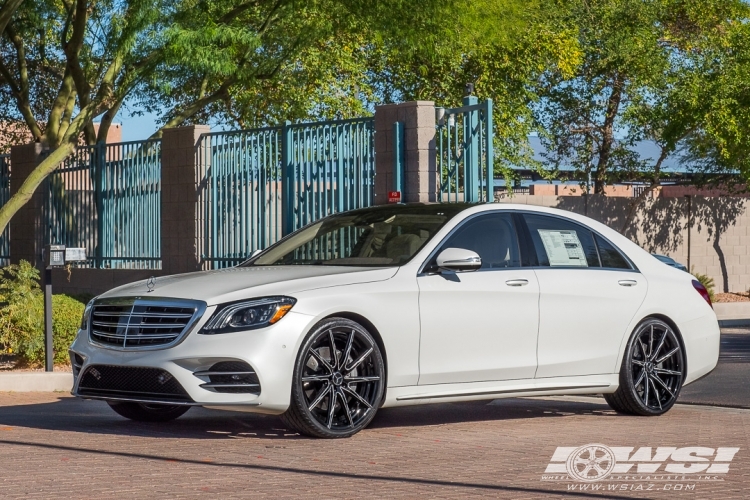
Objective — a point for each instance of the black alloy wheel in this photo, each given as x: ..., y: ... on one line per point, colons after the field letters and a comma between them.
x: 339, y: 379
x: 148, y: 412
x: 652, y: 373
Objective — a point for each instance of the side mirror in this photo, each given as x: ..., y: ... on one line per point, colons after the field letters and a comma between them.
x: 458, y: 260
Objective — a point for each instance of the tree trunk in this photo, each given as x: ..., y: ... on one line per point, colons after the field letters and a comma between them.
x: 608, y: 136
x: 32, y: 182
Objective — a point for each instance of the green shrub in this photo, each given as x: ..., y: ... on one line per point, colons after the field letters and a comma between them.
x: 707, y: 282
x: 22, y: 316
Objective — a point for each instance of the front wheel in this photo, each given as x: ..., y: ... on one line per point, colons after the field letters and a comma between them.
x: 652, y: 372
x: 147, y: 412
x: 338, y: 383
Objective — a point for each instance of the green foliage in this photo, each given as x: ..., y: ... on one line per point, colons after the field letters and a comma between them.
x: 22, y: 316
x: 673, y: 72
x: 706, y: 281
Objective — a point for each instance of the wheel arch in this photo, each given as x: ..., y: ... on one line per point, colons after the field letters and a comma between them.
x: 673, y: 326
x: 370, y: 327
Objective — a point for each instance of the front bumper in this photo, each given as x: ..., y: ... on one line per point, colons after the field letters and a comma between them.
x: 271, y: 353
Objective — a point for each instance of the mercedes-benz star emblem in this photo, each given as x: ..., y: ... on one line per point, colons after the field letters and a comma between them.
x: 150, y: 284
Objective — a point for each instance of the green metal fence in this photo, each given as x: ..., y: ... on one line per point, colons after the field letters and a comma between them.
x: 332, y: 169
x: 4, y: 197
x: 256, y: 185
x: 239, y: 193
x: 464, y: 152
x: 107, y: 198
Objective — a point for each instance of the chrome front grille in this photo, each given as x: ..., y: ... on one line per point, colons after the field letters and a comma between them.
x: 138, y: 323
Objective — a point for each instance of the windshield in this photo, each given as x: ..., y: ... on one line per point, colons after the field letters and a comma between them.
x: 388, y: 235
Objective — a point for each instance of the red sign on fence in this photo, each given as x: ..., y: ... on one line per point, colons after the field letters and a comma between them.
x: 394, y: 196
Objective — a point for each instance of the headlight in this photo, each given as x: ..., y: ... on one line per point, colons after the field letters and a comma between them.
x: 87, y: 315
x: 248, y: 315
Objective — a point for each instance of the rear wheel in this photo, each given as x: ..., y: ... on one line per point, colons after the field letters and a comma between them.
x: 147, y: 412
x: 652, y: 372
x: 338, y: 383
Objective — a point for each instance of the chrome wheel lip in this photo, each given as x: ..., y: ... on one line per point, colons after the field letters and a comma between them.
x: 657, y: 366
x: 343, y: 389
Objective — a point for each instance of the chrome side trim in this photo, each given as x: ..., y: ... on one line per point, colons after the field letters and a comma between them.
x: 212, y: 385
x: 490, y: 393
x: 209, y: 373
x: 198, y: 305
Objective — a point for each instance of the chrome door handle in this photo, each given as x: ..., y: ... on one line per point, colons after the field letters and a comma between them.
x: 627, y: 282
x: 519, y: 282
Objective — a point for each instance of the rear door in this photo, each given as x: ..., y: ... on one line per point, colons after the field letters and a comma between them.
x: 588, y: 294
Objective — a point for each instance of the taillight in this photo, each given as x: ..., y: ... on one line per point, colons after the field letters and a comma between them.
x: 702, y: 290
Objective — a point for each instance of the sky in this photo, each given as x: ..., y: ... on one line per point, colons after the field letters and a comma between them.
x: 137, y: 128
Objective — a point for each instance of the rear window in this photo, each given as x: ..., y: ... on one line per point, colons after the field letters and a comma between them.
x: 561, y: 243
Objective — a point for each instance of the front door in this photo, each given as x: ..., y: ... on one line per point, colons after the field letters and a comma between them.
x: 480, y: 325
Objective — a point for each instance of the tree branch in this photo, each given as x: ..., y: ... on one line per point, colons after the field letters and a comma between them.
x: 72, y: 50
x: 59, y: 106
x: 6, y: 12
x: 193, y: 108
x: 232, y: 14
x: 20, y: 88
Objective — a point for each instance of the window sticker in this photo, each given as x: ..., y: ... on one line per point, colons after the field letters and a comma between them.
x: 563, y: 248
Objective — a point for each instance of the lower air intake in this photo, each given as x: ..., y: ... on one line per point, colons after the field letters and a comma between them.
x: 235, y: 377
x: 129, y: 382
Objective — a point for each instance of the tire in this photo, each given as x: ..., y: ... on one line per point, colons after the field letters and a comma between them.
x: 336, y: 395
x: 145, y: 412
x: 653, y: 370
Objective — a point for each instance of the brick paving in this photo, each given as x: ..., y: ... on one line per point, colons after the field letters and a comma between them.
x: 52, y: 445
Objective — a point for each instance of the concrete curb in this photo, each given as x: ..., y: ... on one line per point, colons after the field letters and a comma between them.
x: 36, y: 382
x: 733, y: 313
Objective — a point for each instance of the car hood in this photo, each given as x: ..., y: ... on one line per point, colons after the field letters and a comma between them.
x: 238, y: 283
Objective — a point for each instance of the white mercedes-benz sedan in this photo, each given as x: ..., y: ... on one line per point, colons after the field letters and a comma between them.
x: 400, y: 305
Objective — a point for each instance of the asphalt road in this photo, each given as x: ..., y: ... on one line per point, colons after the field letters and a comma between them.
x: 729, y: 384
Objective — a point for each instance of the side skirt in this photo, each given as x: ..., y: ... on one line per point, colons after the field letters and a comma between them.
x: 555, y: 386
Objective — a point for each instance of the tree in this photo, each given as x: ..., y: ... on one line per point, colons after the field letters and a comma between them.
x: 514, y: 44
x: 644, y: 65
x: 64, y: 63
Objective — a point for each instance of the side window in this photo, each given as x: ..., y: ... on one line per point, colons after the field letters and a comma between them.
x: 492, y: 236
x: 609, y: 255
x: 561, y: 243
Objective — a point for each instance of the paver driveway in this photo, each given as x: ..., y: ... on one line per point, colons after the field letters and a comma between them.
x: 54, y: 446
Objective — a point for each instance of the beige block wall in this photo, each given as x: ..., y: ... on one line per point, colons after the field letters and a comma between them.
x: 719, y: 233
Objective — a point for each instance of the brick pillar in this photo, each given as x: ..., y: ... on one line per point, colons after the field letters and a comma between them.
x: 180, y: 172
x: 421, y: 176
x: 26, y: 225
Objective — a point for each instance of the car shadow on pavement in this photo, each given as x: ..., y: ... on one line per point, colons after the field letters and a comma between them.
x: 95, y: 417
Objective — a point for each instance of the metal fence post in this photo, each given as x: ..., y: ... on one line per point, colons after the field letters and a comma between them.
x: 471, y: 151
x: 287, y: 180
x: 490, y: 152
x: 398, y: 159
x: 97, y: 156
x: 340, y: 189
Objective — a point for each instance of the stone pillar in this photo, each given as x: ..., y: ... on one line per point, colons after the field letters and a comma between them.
x: 180, y: 174
x: 421, y: 177
x: 26, y: 225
